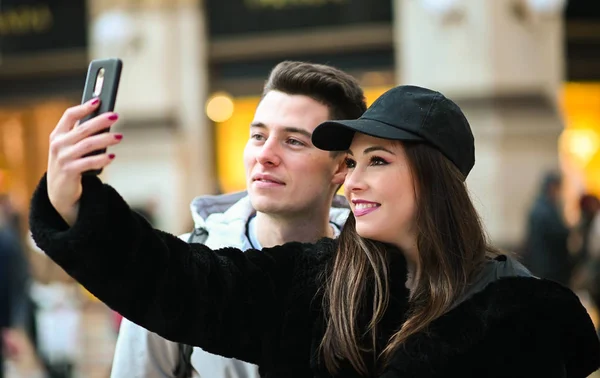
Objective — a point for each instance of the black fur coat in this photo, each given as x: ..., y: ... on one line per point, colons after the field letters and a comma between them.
x: 263, y: 306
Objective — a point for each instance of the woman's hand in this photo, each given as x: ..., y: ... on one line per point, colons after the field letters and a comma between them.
x: 67, y: 161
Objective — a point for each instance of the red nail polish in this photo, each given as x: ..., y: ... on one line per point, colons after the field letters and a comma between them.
x: 111, y: 156
x: 95, y: 101
x: 118, y: 136
x: 113, y: 117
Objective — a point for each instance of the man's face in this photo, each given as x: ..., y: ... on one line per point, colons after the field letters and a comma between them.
x: 285, y: 173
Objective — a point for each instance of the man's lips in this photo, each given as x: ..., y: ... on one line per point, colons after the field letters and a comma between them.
x: 266, y: 179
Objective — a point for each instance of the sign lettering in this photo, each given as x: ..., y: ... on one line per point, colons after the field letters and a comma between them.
x: 283, y: 4
x: 40, y: 26
x: 26, y: 20
x: 231, y: 18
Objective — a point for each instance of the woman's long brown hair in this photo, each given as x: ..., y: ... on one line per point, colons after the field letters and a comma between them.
x: 452, y: 246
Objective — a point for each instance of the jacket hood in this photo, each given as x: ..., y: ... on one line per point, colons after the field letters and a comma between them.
x: 236, y: 206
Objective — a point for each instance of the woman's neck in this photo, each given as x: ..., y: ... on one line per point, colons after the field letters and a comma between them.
x: 411, y: 254
x: 410, y: 277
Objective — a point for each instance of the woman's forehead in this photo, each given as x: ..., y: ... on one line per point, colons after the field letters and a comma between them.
x: 362, y: 141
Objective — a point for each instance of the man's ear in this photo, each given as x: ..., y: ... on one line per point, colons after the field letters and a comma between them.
x: 340, y: 172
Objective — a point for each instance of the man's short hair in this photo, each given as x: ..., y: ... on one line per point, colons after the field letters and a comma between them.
x: 336, y: 89
x: 332, y: 87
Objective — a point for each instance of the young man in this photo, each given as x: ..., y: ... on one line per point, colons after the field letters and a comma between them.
x: 290, y: 187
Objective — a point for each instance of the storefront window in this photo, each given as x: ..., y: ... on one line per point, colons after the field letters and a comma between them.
x: 24, y: 133
x: 579, y: 144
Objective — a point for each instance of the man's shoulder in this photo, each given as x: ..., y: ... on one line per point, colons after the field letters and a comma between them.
x: 219, y: 218
x: 141, y: 353
x: 211, y: 365
x: 210, y: 204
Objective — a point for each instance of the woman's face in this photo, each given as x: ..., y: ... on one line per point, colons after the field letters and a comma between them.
x: 379, y: 187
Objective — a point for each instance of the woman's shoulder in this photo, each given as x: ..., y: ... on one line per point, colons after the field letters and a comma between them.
x: 524, y: 300
x: 504, y: 285
x: 528, y: 313
x: 529, y: 301
x: 527, y: 293
x: 537, y: 325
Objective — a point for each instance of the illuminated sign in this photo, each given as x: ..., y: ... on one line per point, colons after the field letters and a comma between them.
x: 40, y: 26
x: 25, y: 20
x: 240, y: 17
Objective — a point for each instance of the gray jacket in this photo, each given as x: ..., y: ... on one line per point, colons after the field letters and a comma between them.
x: 143, y: 354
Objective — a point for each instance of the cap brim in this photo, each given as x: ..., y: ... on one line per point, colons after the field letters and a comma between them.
x: 337, y: 135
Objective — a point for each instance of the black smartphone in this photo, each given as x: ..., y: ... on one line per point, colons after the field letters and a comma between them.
x: 102, y: 81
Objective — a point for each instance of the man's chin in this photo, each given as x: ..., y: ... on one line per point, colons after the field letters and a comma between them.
x: 264, y: 204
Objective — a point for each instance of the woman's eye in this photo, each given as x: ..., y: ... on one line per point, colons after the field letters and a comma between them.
x: 378, y: 161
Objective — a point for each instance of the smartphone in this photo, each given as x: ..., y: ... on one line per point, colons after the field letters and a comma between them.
x: 102, y: 81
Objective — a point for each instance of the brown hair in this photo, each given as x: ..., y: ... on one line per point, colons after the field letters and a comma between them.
x: 339, y: 91
x: 452, y: 246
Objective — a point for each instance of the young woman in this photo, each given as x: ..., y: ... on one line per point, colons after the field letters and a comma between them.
x: 411, y: 289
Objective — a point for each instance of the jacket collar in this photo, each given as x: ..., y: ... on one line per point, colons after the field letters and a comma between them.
x: 210, y: 210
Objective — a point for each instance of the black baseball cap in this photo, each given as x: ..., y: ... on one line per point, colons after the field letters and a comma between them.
x: 407, y: 113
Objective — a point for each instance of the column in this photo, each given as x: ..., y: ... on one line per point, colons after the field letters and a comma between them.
x: 167, y: 152
x: 502, y: 62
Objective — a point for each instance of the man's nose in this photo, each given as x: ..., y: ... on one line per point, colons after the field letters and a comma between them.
x: 269, y: 154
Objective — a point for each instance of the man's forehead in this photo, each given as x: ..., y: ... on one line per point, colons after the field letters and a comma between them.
x: 307, y: 131
x: 280, y: 105
x: 280, y: 111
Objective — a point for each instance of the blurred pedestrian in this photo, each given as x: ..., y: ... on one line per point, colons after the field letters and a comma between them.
x: 547, y: 254
x: 14, y: 281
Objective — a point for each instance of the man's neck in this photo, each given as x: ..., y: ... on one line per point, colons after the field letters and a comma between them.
x: 275, y: 230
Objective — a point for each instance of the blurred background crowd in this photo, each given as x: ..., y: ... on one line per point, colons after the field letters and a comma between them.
x: 526, y: 73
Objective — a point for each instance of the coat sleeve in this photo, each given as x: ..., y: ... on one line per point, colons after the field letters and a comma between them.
x: 225, y: 301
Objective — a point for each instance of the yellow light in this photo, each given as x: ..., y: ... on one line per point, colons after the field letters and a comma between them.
x: 582, y: 144
x: 373, y: 93
x: 231, y: 137
x: 219, y: 107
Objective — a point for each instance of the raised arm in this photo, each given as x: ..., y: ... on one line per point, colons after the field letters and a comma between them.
x: 225, y: 301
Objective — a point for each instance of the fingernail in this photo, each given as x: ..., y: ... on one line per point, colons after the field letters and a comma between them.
x: 111, y: 156
x: 95, y: 101
x: 113, y: 117
x: 118, y: 136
